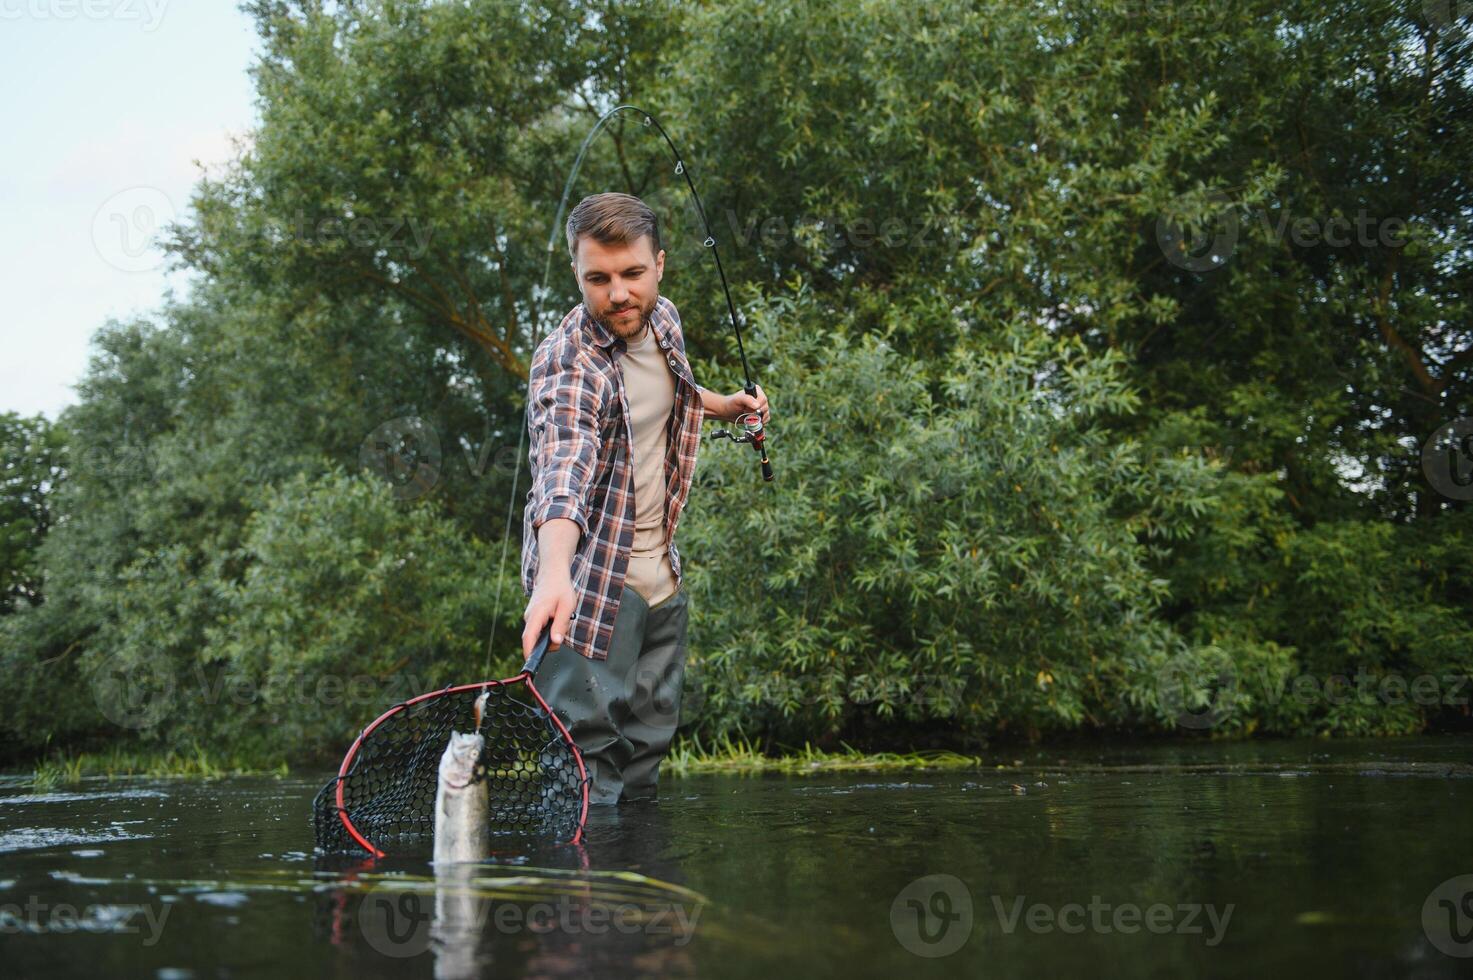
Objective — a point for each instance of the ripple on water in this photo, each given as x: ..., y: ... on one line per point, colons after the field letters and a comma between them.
x: 123, y: 794
x: 225, y: 900
x: 287, y: 856
x: 35, y: 838
x: 846, y: 790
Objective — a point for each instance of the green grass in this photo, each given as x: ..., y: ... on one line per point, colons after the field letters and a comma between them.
x: 68, y: 769
x: 687, y: 758
x: 741, y: 756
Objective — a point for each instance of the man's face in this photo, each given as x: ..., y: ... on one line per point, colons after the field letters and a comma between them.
x: 620, y: 283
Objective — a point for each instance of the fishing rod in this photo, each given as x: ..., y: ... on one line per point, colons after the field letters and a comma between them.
x: 752, y: 431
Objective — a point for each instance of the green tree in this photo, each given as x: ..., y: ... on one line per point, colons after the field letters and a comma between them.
x: 32, y: 452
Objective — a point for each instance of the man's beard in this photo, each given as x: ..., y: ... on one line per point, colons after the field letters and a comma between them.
x: 629, y: 326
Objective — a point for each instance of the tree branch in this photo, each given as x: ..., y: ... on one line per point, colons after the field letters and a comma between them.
x: 1394, y: 340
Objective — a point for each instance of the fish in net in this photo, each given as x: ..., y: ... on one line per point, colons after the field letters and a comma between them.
x: 383, y: 798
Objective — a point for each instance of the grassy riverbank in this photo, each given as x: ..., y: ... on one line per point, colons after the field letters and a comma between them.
x: 726, y: 756
x: 687, y: 758
x: 740, y: 756
x: 67, y: 769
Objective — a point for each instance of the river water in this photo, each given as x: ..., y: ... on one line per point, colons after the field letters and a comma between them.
x: 1291, y: 858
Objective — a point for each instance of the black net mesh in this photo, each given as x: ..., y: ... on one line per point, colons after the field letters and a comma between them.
x: 534, y: 780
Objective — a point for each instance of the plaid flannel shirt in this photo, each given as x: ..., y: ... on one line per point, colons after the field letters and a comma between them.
x: 577, y: 420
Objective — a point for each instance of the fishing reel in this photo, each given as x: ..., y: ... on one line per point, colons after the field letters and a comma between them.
x: 751, y: 423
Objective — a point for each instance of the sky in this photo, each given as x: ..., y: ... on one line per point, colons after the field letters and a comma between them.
x: 107, y: 104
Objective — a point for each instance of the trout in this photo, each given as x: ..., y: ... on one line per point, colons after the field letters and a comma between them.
x: 462, y: 806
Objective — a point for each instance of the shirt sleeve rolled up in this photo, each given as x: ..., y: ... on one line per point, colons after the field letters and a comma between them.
x: 563, y: 420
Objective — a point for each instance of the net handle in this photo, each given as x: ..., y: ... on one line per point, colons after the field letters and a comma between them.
x: 535, y: 661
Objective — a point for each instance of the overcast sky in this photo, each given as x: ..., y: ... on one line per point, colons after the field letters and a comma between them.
x: 107, y: 103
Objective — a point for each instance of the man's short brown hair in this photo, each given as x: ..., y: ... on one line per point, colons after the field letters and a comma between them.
x: 612, y: 219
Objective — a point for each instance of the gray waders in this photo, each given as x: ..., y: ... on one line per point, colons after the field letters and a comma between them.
x: 623, y: 711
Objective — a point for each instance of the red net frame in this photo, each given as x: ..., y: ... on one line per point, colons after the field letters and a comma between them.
x: 382, y: 799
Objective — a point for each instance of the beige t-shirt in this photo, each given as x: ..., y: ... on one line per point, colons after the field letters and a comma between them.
x: 649, y: 387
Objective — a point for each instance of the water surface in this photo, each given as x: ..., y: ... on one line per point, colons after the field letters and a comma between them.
x: 1280, y: 858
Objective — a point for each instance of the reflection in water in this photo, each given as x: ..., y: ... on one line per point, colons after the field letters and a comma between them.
x: 544, y: 911
x: 460, y: 917
x: 633, y: 910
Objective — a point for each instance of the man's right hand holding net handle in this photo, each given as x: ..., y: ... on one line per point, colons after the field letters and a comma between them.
x: 553, y: 597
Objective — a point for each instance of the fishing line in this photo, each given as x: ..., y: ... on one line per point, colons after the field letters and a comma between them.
x: 753, y: 426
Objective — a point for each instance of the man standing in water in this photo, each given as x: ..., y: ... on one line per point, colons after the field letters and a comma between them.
x: 614, y: 417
